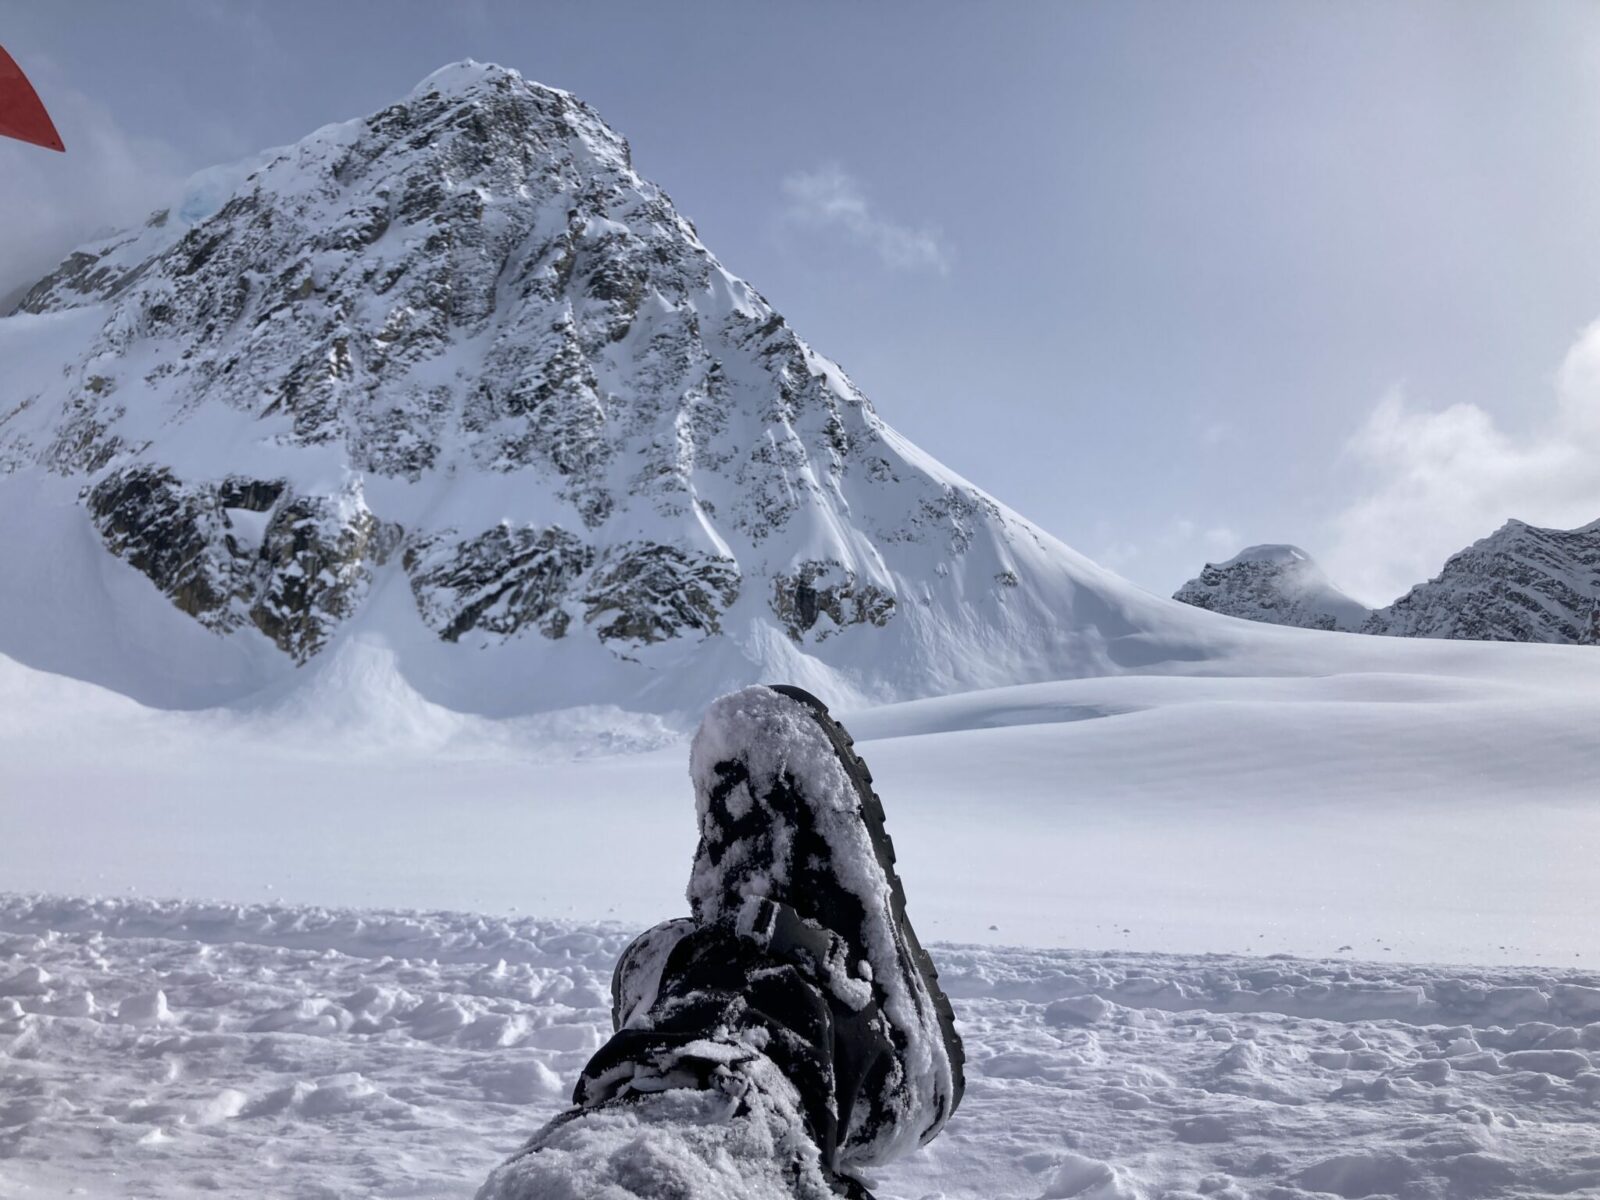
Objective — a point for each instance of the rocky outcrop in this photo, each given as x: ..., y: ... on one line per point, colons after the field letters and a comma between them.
x: 180, y: 537
x: 502, y: 581
x: 1278, y: 584
x: 1521, y: 584
x: 244, y: 551
x: 830, y: 593
x: 314, y: 568
x: 649, y: 592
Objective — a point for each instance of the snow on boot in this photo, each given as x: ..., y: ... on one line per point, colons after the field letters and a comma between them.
x: 721, y: 1085
x: 637, y: 975
x: 793, y: 847
x: 789, y: 1032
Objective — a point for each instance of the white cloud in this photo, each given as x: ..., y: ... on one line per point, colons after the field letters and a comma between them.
x: 830, y: 198
x: 1440, y: 480
x: 106, y: 179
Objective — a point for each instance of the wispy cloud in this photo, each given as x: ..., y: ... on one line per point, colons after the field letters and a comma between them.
x: 105, y: 180
x: 832, y: 199
x: 1439, y: 480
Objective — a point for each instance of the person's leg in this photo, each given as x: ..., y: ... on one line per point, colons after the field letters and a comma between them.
x: 720, y: 1086
x: 793, y: 1028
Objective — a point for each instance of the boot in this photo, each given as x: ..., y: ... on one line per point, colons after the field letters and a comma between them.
x: 789, y: 824
x: 797, y: 1001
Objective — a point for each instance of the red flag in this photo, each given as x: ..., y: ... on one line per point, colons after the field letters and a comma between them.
x: 21, y: 114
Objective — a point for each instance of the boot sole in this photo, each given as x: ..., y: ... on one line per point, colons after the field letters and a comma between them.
x: 873, y: 814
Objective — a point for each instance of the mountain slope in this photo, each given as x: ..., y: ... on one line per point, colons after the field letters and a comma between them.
x: 1279, y: 584
x: 452, y: 389
x: 1522, y: 583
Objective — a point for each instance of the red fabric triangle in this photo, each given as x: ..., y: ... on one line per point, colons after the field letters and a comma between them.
x: 22, y: 116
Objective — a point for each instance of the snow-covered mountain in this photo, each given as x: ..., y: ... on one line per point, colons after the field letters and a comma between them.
x: 452, y: 390
x: 1520, y: 584
x: 1278, y: 584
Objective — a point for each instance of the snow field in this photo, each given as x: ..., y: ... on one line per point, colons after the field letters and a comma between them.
x: 171, y: 1050
x: 1408, y: 814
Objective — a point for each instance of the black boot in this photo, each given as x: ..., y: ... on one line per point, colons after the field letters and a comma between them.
x: 797, y: 995
x: 719, y: 1082
x: 788, y: 816
x: 718, y: 991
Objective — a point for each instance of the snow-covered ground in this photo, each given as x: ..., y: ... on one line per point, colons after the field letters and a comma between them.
x: 1368, y: 805
x: 176, y: 1050
x: 1441, y: 810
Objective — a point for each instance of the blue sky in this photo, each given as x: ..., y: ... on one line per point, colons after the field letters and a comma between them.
x: 1168, y: 278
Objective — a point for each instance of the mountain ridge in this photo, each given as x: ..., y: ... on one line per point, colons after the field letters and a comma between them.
x: 1522, y: 583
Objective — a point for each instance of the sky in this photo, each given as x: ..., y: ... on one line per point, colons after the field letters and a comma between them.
x: 1168, y: 278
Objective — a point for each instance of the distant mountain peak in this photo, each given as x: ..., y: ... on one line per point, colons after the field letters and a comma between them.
x: 1522, y: 583
x: 1269, y: 552
x: 1276, y: 583
x: 468, y: 75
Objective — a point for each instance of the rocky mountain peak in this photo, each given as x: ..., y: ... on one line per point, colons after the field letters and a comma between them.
x: 1276, y: 583
x: 1270, y: 552
x: 1522, y: 583
x: 469, y: 132
x: 460, y: 352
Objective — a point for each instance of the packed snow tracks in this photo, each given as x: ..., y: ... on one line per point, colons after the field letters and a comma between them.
x: 173, y: 1050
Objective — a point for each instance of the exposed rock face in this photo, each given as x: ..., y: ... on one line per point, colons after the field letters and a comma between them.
x: 180, y: 537
x: 817, y: 590
x: 500, y: 581
x: 244, y: 550
x: 649, y: 592
x: 314, y: 568
x: 1520, y: 584
x: 1278, y: 584
x: 460, y: 342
